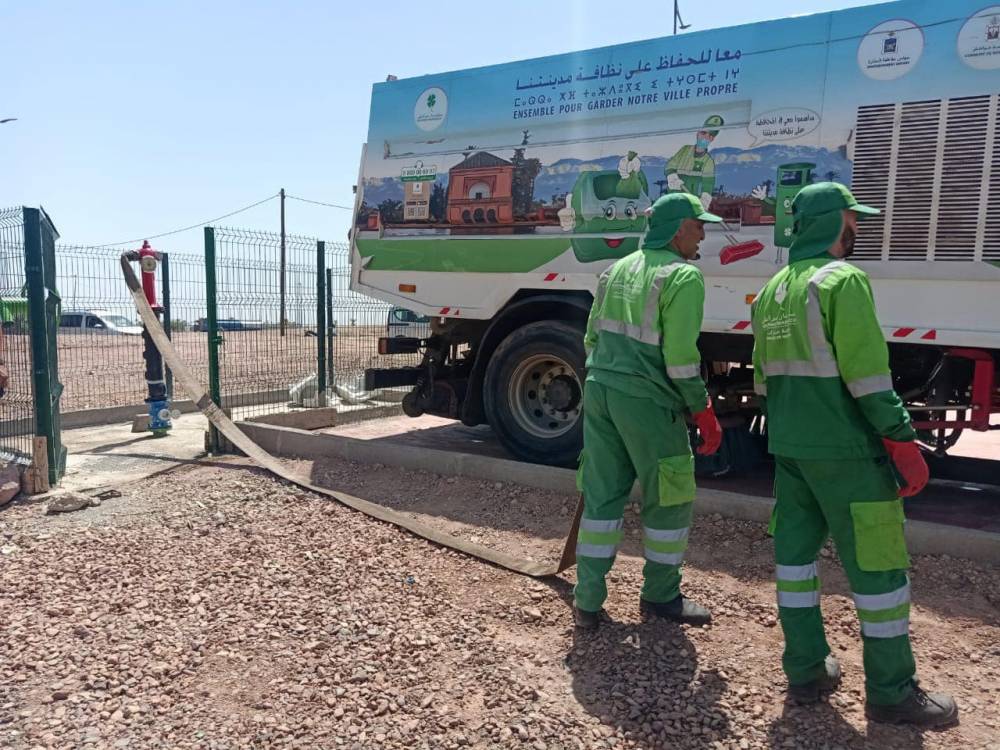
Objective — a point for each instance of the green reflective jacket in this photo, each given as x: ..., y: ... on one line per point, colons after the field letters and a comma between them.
x: 821, y: 364
x: 642, y: 335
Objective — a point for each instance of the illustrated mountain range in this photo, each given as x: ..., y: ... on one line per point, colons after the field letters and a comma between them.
x: 737, y: 171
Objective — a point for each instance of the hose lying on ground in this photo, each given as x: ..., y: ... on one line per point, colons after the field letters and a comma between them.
x: 215, y: 415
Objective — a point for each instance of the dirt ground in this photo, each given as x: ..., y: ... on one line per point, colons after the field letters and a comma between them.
x: 215, y: 607
x: 104, y: 371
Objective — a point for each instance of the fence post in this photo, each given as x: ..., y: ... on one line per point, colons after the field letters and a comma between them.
x: 321, y: 321
x: 331, y: 328
x: 43, y: 310
x: 167, y: 319
x: 212, y: 323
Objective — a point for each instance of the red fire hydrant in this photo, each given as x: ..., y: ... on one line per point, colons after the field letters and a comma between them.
x: 148, y: 259
x: 159, y: 404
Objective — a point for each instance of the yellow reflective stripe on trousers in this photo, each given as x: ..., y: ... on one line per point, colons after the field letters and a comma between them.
x: 890, y: 629
x: 664, y: 558
x: 798, y: 599
x: 666, y: 535
x: 674, y: 539
x: 602, y: 526
x: 596, y: 550
x: 797, y: 574
x: 584, y: 549
x: 871, y: 606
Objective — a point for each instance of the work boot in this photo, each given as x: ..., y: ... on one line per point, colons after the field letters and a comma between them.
x: 586, y: 620
x: 825, y: 682
x: 919, y: 708
x: 679, y: 609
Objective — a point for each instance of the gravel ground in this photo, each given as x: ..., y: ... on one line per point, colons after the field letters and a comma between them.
x: 215, y: 607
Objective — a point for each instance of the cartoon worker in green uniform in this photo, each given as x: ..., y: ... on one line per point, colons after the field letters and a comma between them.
x: 607, y: 202
x: 692, y: 168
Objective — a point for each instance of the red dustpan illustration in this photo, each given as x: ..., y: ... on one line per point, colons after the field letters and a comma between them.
x: 741, y: 251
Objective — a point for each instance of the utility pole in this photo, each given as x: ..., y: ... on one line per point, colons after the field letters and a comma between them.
x: 281, y: 282
x: 678, y: 20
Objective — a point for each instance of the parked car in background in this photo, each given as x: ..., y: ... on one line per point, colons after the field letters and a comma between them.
x: 229, y: 324
x: 100, y: 322
x: 403, y: 322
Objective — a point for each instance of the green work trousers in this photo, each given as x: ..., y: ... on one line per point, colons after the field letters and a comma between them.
x: 856, y: 501
x: 625, y: 437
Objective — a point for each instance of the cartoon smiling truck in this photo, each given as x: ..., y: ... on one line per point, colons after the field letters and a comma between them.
x: 607, y: 203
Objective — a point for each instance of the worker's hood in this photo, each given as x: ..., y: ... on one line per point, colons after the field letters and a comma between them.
x: 818, y: 213
x: 658, y: 237
x: 815, y: 235
x: 667, y: 215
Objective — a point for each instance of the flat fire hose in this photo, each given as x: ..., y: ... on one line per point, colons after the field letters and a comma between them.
x: 238, y: 438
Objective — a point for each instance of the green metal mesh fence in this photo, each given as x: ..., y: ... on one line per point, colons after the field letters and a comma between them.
x: 360, y: 322
x: 99, y: 336
x: 17, y: 423
x: 263, y: 367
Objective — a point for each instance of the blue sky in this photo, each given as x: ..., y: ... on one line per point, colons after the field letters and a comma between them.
x: 138, y: 117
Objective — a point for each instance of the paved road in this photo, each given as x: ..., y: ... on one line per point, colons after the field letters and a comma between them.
x: 957, y: 503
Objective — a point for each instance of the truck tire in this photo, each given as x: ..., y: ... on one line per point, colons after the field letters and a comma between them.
x: 533, y: 393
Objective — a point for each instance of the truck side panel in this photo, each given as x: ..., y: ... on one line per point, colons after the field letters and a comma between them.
x: 478, y: 184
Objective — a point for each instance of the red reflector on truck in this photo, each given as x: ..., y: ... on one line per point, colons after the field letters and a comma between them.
x: 408, y: 288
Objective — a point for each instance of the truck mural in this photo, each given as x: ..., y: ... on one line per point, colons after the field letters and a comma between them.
x: 609, y: 205
x: 538, y: 172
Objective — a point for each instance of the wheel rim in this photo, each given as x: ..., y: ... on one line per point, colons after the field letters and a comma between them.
x: 545, y: 396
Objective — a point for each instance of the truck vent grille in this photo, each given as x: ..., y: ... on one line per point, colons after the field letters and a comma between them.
x: 910, y: 216
x: 991, y: 229
x: 872, y: 147
x: 935, y: 168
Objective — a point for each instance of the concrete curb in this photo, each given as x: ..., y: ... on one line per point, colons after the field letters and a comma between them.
x: 319, y: 418
x: 113, y: 414
x: 923, y: 538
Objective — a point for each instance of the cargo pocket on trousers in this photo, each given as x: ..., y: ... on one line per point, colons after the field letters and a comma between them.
x: 772, y: 524
x: 579, y: 472
x: 878, y: 536
x: 676, y: 480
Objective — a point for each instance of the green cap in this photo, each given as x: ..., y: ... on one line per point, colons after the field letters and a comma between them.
x: 667, y: 215
x: 824, y: 197
x: 818, y: 222
x: 712, y: 124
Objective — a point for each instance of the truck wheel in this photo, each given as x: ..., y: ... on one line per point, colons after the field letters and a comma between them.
x: 533, y: 394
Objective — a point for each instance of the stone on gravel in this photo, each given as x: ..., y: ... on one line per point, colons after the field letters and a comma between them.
x: 67, y: 503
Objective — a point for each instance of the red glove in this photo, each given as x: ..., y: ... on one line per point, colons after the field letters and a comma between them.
x: 910, y: 463
x: 709, y: 429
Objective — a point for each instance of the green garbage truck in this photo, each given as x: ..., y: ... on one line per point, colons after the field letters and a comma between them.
x: 501, y: 243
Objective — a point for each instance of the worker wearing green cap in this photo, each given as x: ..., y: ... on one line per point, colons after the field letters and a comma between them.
x: 643, y: 375
x: 835, y: 426
x: 692, y: 168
